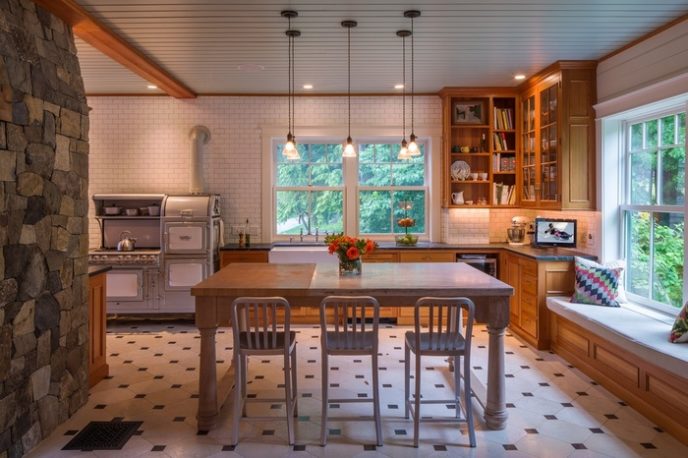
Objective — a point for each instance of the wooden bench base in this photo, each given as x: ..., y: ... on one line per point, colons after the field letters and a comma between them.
x: 657, y: 394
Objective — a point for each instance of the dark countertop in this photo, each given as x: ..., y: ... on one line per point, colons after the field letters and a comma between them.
x: 97, y: 270
x: 252, y: 247
x: 540, y: 254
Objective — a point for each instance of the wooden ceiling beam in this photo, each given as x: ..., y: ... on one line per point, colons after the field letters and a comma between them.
x: 112, y: 45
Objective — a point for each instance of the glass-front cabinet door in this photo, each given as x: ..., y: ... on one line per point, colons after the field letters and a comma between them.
x: 528, y: 147
x: 549, y: 166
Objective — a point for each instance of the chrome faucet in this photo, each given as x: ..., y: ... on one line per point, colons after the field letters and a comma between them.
x: 301, y: 235
x: 316, y: 234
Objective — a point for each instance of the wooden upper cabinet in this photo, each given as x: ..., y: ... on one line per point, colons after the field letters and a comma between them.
x: 557, y: 137
x: 480, y: 142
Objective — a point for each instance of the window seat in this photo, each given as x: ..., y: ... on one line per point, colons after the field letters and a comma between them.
x: 643, y: 333
x: 627, y: 350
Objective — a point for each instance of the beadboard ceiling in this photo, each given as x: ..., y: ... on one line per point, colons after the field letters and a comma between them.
x: 217, y: 46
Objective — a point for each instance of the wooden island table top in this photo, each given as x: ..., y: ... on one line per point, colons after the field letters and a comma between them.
x: 392, y: 284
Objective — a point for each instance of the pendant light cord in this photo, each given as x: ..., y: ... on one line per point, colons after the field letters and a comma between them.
x: 403, y: 92
x: 289, y: 39
x: 349, y: 72
x: 293, y: 91
x: 413, y: 89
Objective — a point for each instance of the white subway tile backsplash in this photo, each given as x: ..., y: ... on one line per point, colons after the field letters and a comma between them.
x: 141, y: 144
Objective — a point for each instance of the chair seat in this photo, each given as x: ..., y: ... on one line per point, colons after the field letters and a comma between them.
x: 436, y: 343
x: 362, y: 341
x: 262, y: 344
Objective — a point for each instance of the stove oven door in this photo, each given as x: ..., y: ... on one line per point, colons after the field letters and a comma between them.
x: 125, y: 285
x: 186, y: 238
x: 182, y: 274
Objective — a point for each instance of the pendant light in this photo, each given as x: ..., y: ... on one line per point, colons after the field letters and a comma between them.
x: 413, y: 149
x: 349, y: 150
x: 290, y: 151
x: 403, y: 152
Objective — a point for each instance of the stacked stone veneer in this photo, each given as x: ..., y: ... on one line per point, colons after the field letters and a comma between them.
x: 43, y: 229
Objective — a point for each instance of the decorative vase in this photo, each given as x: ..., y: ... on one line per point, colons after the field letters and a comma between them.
x: 349, y: 267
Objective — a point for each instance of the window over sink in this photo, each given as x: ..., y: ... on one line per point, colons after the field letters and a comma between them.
x: 363, y: 195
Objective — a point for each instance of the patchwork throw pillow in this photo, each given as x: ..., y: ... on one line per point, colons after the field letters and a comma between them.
x: 679, y: 332
x: 596, y: 284
x: 616, y: 264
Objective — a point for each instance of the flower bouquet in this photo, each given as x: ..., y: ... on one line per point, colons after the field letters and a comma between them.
x: 406, y: 222
x: 349, y: 251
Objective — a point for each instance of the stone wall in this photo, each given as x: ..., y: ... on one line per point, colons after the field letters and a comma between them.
x: 43, y: 229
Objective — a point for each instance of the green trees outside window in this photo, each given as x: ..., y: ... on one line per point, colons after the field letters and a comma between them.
x: 654, y: 213
x: 311, y: 192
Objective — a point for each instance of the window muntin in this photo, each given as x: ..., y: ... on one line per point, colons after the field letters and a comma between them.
x: 314, y: 191
x: 309, y: 192
x: 654, y: 209
x: 387, y: 185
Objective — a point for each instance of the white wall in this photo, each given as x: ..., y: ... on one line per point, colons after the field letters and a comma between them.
x: 141, y: 144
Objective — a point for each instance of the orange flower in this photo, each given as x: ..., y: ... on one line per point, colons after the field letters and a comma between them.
x: 353, y: 253
x: 369, y: 246
x: 332, y: 247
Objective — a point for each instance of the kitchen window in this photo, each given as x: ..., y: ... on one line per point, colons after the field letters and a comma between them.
x: 653, y: 208
x: 363, y: 195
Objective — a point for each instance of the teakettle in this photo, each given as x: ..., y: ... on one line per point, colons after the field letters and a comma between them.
x: 126, y: 242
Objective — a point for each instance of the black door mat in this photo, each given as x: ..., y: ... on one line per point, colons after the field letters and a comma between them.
x: 103, y: 435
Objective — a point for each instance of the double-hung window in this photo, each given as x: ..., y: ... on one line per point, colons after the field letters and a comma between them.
x: 653, y: 207
x: 309, y: 191
x: 390, y: 189
x: 365, y: 195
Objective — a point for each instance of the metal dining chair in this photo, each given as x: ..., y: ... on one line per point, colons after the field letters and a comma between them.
x: 443, y: 338
x: 345, y: 332
x: 258, y: 332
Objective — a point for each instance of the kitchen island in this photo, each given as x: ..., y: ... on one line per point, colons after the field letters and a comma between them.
x: 389, y: 283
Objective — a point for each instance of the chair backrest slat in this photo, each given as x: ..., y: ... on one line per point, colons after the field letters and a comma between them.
x: 349, y: 328
x: 445, y: 321
x: 257, y: 318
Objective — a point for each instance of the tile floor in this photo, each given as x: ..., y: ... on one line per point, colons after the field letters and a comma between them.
x: 554, y: 409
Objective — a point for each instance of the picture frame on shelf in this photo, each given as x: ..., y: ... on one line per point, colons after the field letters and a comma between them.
x: 468, y: 112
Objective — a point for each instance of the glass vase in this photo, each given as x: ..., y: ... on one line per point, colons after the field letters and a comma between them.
x: 349, y: 267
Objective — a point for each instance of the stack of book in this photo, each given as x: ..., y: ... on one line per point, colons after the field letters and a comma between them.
x: 503, y: 194
x: 504, y: 118
x: 500, y: 143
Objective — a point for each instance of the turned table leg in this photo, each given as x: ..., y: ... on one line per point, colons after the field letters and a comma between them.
x: 207, y: 383
x: 495, y: 407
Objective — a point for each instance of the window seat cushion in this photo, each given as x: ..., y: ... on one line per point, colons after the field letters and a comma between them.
x: 637, y: 330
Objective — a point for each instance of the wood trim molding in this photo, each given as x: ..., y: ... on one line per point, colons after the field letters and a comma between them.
x: 251, y: 94
x: 642, y: 38
x: 101, y: 37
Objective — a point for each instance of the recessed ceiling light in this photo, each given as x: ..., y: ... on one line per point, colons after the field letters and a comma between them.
x: 519, y: 76
x: 398, y: 86
x: 308, y: 86
x: 152, y: 86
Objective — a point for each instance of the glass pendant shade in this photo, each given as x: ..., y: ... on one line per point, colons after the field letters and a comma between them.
x: 289, y: 151
x: 349, y: 150
x: 413, y: 149
x: 403, y: 152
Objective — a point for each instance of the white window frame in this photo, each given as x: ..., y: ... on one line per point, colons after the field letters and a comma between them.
x: 626, y: 206
x: 611, y: 179
x: 431, y: 136
x: 425, y: 187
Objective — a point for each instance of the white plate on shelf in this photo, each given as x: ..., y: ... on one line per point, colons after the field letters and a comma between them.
x: 460, y: 170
